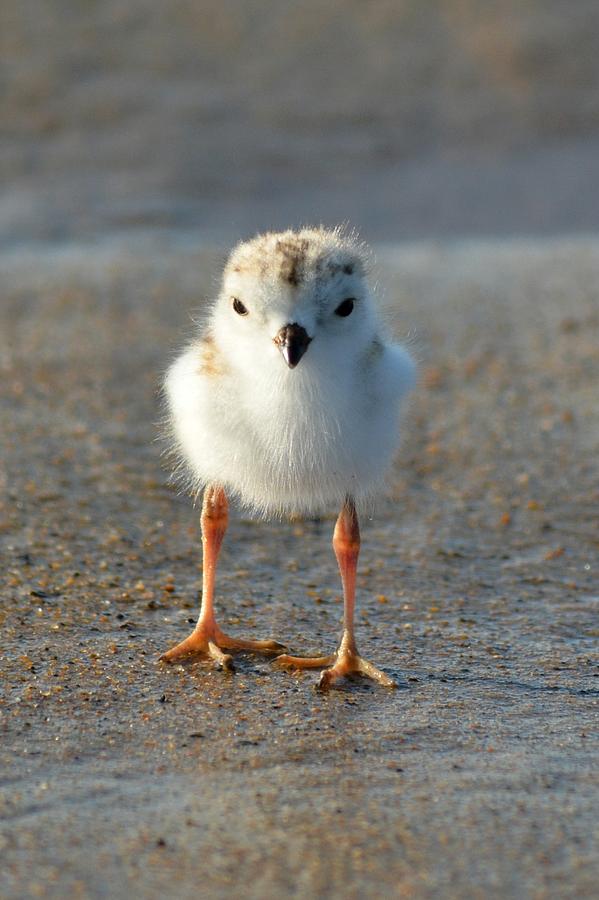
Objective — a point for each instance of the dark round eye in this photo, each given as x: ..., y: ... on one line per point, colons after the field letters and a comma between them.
x: 239, y: 308
x: 346, y: 307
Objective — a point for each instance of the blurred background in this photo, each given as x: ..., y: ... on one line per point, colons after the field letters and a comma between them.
x: 410, y: 118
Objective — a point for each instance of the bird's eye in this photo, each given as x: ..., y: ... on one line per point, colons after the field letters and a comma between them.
x: 346, y: 307
x: 239, y: 308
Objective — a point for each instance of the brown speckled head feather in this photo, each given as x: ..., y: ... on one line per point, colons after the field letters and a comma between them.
x: 290, y: 256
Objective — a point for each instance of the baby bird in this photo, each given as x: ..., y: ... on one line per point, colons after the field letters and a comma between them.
x: 289, y: 402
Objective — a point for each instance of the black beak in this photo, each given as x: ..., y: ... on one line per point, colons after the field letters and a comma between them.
x: 292, y: 341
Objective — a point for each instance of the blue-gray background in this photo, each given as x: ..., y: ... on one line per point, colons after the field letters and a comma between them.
x: 411, y: 119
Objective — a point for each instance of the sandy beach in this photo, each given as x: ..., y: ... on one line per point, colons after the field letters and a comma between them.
x: 478, y: 777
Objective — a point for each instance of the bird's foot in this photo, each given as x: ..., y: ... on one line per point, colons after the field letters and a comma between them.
x: 349, y: 662
x: 345, y: 662
x: 207, y: 639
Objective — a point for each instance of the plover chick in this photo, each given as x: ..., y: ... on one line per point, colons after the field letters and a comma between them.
x: 289, y: 402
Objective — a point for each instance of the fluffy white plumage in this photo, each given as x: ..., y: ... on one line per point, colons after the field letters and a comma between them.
x: 291, y: 440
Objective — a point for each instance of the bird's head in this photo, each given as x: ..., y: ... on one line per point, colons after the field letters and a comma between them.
x: 294, y: 300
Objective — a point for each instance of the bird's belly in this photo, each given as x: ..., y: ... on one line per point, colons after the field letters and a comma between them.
x: 282, y: 449
x: 303, y: 462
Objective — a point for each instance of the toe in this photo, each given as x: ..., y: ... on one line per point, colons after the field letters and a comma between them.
x: 302, y: 662
x: 234, y: 643
x: 366, y: 668
x: 224, y: 660
x: 192, y: 644
x: 327, y: 678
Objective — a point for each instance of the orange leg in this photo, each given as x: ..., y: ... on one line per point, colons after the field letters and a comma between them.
x: 207, y: 638
x: 347, y: 660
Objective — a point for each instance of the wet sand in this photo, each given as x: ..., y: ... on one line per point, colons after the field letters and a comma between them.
x: 478, y: 777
